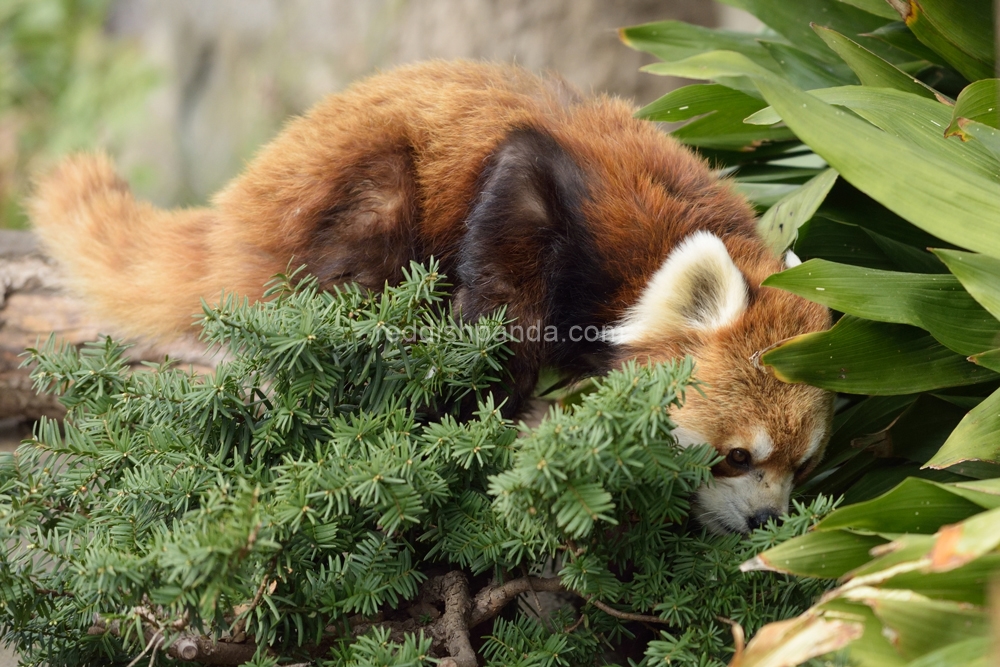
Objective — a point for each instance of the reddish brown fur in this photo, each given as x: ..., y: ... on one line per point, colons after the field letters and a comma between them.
x: 388, y: 171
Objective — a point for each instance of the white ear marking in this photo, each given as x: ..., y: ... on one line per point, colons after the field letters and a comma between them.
x: 697, y: 287
x: 791, y: 259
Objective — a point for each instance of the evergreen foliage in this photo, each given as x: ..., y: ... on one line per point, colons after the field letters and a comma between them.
x: 343, y: 456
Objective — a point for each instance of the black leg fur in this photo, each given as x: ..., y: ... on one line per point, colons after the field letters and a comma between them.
x: 528, y: 248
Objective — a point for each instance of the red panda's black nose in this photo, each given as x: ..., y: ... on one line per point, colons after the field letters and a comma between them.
x: 761, y: 518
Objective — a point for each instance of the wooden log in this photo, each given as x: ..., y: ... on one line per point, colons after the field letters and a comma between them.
x: 34, y: 303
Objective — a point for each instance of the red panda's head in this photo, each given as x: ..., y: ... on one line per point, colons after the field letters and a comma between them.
x: 771, y: 434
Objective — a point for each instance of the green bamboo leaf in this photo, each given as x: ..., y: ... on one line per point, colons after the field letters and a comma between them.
x: 936, y: 303
x: 765, y: 195
x: 724, y: 129
x: 919, y: 625
x: 676, y: 40
x: 780, y: 223
x: 900, y: 36
x: 873, y: 648
x: 903, y: 550
x: 976, y: 438
x: 989, y: 359
x: 917, y: 433
x: 975, y: 652
x: 988, y: 137
x: 775, y: 173
x: 979, y: 274
x: 862, y: 357
x: 876, y: 7
x: 791, y: 20
x: 954, y: 203
x: 906, y: 257
x: 842, y: 243
x: 851, y: 206
x: 961, y: 543
x: 915, y: 506
x: 827, y: 554
x: 968, y: 584
x: 979, y: 102
x: 983, y: 492
x: 695, y: 100
x: 912, y: 119
x: 872, y: 70
x: 806, y: 71
x: 960, y: 30
x: 967, y: 23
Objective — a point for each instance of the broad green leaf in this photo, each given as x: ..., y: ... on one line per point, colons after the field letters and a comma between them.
x: 968, y: 584
x: 766, y: 194
x: 695, y: 100
x: 936, y: 303
x: 849, y: 205
x: 883, y: 478
x: 960, y: 30
x: 966, y: 23
x: 915, y: 506
x: 676, y: 40
x: 976, y: 438
x: 954, y: 202
x: 990, y: 359
x: 979, y: 275
x: 915, y: 120
x: 724, y: 129
x: 963, y: 542
x: 780, y: 224
x: 808, y: 72
x: 797, y: 640
x: 723, y: 158
x: 918, y: 432
x: 900, y: 555
x: 872, y: 70
x: 919, y: 625
x: 983, y: 492
x: 869, y: 416
x: 838, y: 242
x: 827, y: 554
x: 862, y: 357
x: 901, y: 37
x: 791, y: 20
x: 988, y: 137
x: 775, y: 173
x: 975, y: 652
x: 876, y: 7
x: 873, y: 648
x: 980, y: 102
x: 907, y: 257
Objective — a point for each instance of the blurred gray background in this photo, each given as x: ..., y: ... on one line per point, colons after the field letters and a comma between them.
x: 230, y: 71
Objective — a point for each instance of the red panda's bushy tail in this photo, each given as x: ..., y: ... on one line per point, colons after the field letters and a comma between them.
x: 140, y: 268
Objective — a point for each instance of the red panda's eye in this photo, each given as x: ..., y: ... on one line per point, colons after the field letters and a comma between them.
x: 738, y: 458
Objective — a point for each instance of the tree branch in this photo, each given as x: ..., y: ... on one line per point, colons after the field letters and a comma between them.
x: 492, y: 599
x: 449, y: 632
x: 624, y: 615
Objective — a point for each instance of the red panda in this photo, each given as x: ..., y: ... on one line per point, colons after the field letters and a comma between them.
x: 561, y: 207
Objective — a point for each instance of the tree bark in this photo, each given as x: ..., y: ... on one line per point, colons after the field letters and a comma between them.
x: 35, y: 301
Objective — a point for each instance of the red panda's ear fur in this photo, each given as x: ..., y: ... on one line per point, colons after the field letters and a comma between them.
x: 698, y: 288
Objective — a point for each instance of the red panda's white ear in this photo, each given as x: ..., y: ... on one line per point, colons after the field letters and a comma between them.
x: 698, y: 287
